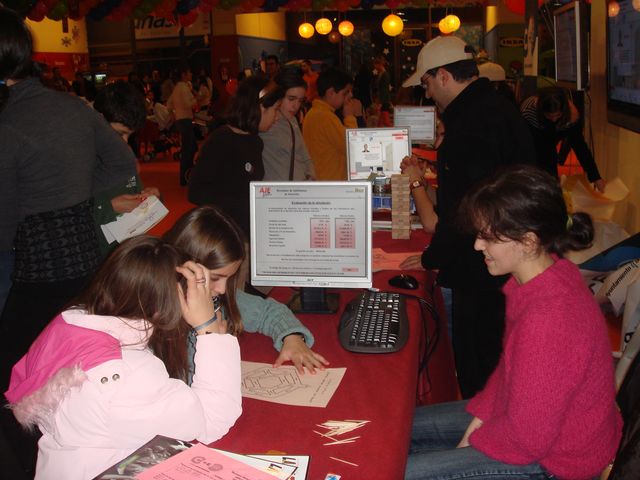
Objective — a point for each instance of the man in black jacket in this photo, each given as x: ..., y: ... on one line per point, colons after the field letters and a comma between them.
x: 483, y: 131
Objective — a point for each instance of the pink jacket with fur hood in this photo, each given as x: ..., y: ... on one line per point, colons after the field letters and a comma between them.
x: 96, y: 405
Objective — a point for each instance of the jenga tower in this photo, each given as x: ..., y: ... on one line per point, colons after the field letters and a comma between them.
x: 400, y: 217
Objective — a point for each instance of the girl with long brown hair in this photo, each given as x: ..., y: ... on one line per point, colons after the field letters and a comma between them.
x: 107, y: 375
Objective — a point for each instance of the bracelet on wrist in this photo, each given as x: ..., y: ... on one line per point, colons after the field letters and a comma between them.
x: 205, y: 324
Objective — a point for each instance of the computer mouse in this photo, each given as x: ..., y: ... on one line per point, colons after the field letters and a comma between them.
x: 404, y: 281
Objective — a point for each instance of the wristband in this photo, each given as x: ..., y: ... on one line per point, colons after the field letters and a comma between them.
x: 205, y: 324
x: 415, y: 184
x: 295, y: 333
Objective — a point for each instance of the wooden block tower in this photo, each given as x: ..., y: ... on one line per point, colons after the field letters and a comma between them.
x: 400, y: 216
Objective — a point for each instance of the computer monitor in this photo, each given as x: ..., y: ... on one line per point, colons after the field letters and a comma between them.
x: 312, y: 235
x: 421, y: 121
x: 370, y: 148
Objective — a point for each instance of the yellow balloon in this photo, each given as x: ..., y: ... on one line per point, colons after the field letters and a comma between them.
x: 392, y: 25
x: 324, y: 26
x: 306, y: 30
x: 345, y: 28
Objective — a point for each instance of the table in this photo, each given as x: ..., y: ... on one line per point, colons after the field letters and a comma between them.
x: 380, y: 388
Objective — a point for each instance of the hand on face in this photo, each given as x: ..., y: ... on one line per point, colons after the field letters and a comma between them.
x: 197, y: 307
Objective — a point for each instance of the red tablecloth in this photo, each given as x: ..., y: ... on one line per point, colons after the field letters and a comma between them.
x: 380, y: 388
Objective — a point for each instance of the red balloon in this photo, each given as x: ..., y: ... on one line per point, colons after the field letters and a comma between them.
x: 189, y: 18
x: 517, y: 6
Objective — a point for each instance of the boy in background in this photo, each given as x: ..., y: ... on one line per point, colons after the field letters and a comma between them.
x: 323, y: 131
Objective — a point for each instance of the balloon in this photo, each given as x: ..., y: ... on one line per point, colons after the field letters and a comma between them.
x: 188, y: 19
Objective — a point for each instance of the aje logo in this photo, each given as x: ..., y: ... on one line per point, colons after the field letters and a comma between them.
x: 265, y: 191
x: 211, y: 466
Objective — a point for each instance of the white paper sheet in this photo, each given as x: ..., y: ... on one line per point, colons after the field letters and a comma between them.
x: 285, y: 385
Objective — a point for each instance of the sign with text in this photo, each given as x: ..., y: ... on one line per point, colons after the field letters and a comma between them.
x: 151, y: 27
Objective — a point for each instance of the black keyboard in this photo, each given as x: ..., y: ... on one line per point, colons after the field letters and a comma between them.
x: 375, y: 322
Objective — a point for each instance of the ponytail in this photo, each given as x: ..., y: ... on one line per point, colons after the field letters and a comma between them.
x: 578, y: 235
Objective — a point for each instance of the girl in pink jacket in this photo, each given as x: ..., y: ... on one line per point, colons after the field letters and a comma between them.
x: 106, y: 376
x: 549, y: 408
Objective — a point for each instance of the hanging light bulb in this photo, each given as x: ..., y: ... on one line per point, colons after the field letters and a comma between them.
x: 323, y: 26
x: 345, y: 28
x: 613, y: 9
x: 453, y: 23
x: 334, y: 37
x: 392, y: 25
x: 636, y: 5
x: 443, y: 27
x: 306, y: 30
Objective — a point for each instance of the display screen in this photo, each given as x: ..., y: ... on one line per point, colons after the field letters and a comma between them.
x: 420, y: 120
x: 311, y: 234
x: 623, y: 64
x: 571, y: 46
x: 370, y: 148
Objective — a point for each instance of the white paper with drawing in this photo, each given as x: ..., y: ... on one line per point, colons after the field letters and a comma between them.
x: 285, y: 385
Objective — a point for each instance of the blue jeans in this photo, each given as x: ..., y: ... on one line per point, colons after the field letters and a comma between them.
x: 436, y: 431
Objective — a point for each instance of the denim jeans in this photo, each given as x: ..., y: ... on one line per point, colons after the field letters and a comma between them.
x: 436, y: 431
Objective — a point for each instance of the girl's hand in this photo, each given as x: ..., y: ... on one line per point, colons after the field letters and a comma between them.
x: 297, y: 352
x: 196, y: 304
x: 475, y: 424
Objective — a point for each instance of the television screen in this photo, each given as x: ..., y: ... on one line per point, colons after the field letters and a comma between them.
x: 623, y: 64
x: 570, y: 34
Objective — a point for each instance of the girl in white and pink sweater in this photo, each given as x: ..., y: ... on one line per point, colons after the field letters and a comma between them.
x: 548, y: 409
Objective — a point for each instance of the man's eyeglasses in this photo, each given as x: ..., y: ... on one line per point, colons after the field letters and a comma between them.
x: 425, y: 77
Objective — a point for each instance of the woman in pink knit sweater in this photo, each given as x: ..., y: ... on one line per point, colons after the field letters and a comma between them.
x: 548, y: 410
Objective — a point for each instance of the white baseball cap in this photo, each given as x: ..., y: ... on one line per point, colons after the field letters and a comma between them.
x: 492, y: 71
x: 436, y: 53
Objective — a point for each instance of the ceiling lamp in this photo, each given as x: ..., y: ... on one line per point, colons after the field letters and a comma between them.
x: 442, y: 26
x: 345, y: 28
x: 636, y: 4
x: 323, y: 26
x: 453, y: 23
x: 305, y: 30
x: 392, y: 25
x: 334, y: 37
x: 613, y: 9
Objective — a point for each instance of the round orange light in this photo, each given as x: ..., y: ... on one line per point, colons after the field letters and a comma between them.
x: 443, y: 27
x: 453, y: 23
x: 324, y: 26
x: 334, y: 37
x: 636, y: 4
x: 345, y: 28
x: 392, y: 25
x: 306, y: 30
x: 613, y: 9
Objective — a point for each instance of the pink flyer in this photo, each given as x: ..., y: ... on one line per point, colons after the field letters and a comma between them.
x: 202, y: 463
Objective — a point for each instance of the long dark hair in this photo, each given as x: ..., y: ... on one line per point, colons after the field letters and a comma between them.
x: 15, y: 51
x: 522, y: 199
x: 207, y: 236
x: 139, y: 281
x: 253, y: 92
